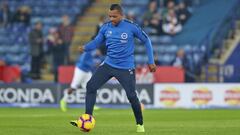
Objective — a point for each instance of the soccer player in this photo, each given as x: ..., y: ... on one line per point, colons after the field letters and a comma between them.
x: 85, y: 64
x: 118, y: 35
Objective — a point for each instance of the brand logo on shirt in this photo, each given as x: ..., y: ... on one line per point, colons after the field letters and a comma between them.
x: 124, y: 35
x: 109, y: 33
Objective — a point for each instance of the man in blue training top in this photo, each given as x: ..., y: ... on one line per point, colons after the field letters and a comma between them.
x: 118, y: 35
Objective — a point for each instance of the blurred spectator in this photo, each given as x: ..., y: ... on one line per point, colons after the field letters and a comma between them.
x: 183, y: 62
x: 66, y: 34
x: 57, y: 50
x: 100, y: 23
x: 161, y: 3
x: 131, y: 16
x: 102, y: 48
x: 180, y: 60
x: 36, y: 43
x: 5, y: 15
x: 48, y: 52
x: 155, y: 25
x: 183, y: 13
x: 171, y: 25
x: 148, y: 15
x: 22, y: 15
x: 170, y: 6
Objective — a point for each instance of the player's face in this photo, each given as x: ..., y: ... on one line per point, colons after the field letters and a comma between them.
x: 115, y: 16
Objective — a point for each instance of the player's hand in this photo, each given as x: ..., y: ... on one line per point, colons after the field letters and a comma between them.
x: 152, y: 67
x: 81, y: 49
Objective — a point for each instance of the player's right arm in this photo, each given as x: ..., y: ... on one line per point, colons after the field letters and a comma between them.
x: 96, y: 42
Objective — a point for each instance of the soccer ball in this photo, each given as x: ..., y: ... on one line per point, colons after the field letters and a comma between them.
x: 86, y: 122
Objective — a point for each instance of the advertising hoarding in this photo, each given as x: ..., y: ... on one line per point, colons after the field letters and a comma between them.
x: 197, y: 95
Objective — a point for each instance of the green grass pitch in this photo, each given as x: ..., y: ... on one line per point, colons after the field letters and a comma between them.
x: 51, y: 121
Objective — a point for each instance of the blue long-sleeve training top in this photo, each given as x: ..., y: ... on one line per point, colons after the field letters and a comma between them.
x: 119, y: 41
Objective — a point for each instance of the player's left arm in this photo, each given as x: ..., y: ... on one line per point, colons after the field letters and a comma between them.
x: 140, y: 34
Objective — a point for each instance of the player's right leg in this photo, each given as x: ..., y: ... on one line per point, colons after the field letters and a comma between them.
x: 87, y: 76
x: 100, y: 77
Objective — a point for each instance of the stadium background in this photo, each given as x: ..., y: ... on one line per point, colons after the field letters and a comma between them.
x: 208, y: 36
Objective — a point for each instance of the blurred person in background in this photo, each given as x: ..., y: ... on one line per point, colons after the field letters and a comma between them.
x: 85, y: 65
x: 155, y: 24
x: 100, y: 23
x: 102, y: 48
x: 131, y: 16
x: 148, y: 15
x: 5, y: 15
x: 36, y: 48
x: 171, y: 24
x: 170, y: 5
x: 183, y: 13
x: 22, y: 15
x: 57, y: 49
x: 49, y: 39
x: 181, y: 61
x: 66, y: 32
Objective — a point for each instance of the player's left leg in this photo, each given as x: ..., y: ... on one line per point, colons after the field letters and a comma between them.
x: 128, y: 82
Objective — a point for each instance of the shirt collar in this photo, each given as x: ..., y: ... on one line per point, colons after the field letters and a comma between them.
x: 118, y: 23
